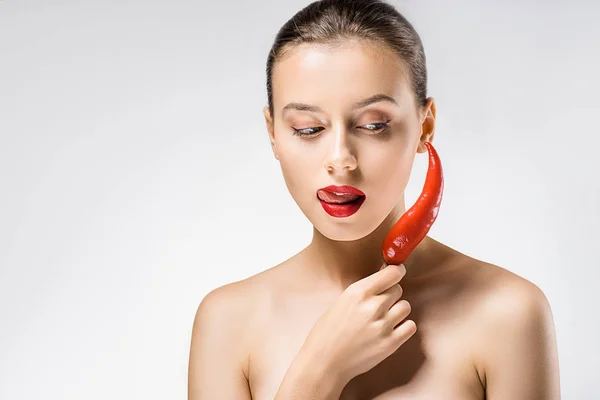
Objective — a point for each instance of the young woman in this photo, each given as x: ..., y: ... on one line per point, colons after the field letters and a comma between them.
x: 347, y: 113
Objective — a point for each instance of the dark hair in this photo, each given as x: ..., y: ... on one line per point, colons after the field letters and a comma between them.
x: 332, y: 21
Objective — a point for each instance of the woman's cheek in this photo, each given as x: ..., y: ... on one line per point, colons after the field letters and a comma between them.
x: 393, y: 174
x: 297, y: 176
x: 289, y: 174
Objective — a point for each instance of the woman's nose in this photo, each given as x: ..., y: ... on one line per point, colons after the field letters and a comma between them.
x: 340, y: 157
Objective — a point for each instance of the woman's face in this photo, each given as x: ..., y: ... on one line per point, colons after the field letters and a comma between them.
x: 370, y: 147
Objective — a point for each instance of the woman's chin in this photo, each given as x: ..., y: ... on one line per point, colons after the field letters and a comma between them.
x: 343, y: 232
x: 343, y: 228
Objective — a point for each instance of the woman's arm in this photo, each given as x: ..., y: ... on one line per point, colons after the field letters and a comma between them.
x: 310, y: 377
x: 217, y: 353
x: 520, y: 353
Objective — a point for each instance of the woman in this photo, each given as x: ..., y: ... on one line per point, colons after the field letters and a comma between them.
x: 348, y: 105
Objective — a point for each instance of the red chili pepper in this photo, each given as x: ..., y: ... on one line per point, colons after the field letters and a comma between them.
x: 414, y: 224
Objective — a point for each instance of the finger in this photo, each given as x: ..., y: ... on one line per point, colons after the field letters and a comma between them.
x: 403, y: 332
x: 397, y: 313
x: 390, y: 296
x: 384, y: 279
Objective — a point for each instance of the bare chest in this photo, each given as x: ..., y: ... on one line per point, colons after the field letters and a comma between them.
x: 435, y: 363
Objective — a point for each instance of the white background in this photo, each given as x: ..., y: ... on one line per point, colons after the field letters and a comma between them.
x: 136, y: 175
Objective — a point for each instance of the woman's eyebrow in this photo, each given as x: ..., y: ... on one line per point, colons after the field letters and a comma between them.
x: 363, y: 103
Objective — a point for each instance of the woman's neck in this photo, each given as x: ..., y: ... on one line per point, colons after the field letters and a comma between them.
x: 344, y: 262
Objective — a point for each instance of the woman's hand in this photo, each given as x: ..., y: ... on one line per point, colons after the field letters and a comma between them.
x: 363, y: 327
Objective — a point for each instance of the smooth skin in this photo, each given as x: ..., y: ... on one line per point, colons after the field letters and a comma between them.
x: 327, y: 323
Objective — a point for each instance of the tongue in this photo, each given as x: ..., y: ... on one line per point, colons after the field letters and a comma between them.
x: 329, y: 197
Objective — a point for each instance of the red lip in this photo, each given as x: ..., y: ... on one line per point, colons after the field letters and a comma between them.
x: 340, y: 201
x: 346, y: 189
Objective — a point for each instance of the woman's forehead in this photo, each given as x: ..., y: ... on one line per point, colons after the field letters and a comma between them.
x: 352, y: 71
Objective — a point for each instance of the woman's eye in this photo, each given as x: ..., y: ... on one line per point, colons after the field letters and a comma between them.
x: 312, y: 131
x: 377, y: 126
x: 306, y: 131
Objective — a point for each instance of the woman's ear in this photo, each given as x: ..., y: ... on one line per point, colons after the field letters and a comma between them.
x: 427, y: 125
x: 271, y: 130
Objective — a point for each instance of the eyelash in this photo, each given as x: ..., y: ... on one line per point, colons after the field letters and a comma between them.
x: 300, y: 132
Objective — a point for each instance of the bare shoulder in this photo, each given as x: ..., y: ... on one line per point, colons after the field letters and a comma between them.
x: 230, y: 299
x: 513, y: 332
x: 508, y: 299
x: 222, y: 333
x: 505, y: 293
x: 492, y: 291
x: 234, y: 304
x: 236, y: 307
x: 495, y: 291
x: 241, y: 297
x: 499, y: 297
